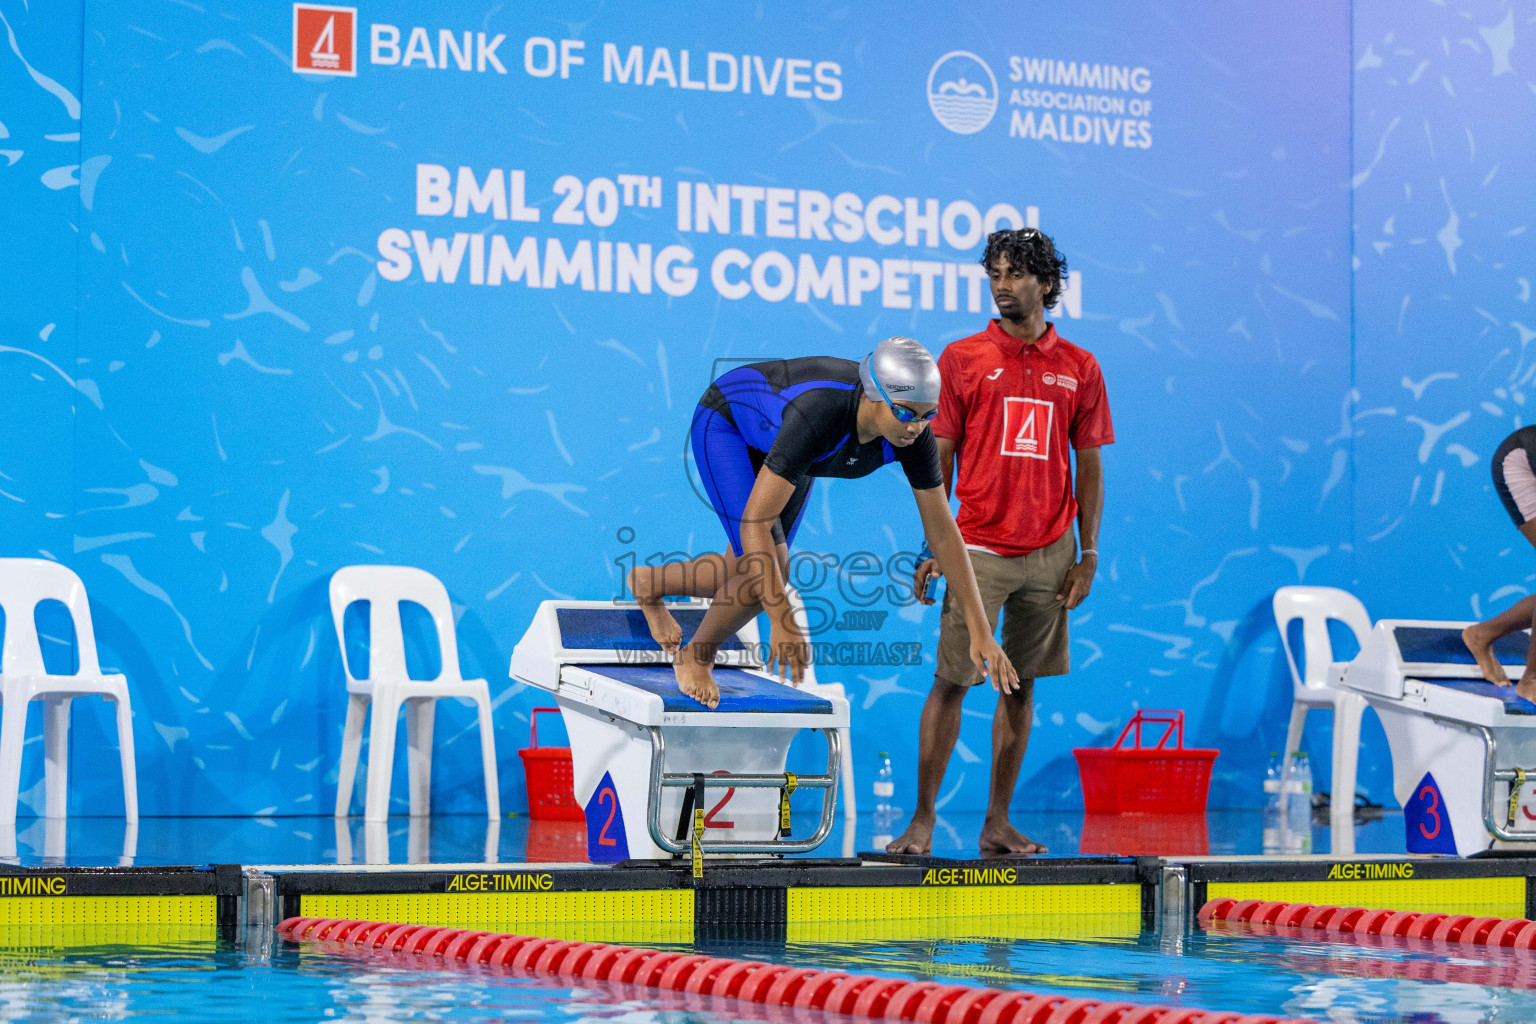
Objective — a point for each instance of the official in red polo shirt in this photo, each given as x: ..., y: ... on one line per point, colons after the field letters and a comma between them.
x: 1016, y: 401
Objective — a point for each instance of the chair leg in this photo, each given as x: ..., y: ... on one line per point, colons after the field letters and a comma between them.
x: 130, y: 842
x: 56, y: 755
x: 1347, y: 713
x: 13, y: 733
x: 375, y: 842
x: 351, y: 746
x: 1293, y: 731
x: 381, y: 757
x: 126, y: 756
x: 343, y: 840
x: 55, y: 838
x: 418, y: 840
x: 488, y: 758
x: 492, y: 839
x: 420, y: 714
x: 850, y: 802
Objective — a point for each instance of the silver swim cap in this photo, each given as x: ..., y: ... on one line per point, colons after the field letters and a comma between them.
x: 904, y: 368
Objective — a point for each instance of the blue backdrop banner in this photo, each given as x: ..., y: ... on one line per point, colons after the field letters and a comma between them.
x: 440, y: 286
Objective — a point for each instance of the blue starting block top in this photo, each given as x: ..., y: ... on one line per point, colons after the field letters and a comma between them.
x: 739, y: 691
x: 1429, y: 645
x: 623, y: 629
x: 1514, y: 704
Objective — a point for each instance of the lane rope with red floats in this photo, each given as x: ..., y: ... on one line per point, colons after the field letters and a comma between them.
x: 928, y: 1002
x: 1464, y: 929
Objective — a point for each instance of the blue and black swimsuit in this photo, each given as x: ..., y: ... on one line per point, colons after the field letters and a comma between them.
x: 798, y: 417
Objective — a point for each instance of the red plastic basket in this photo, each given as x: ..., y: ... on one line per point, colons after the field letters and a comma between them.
x: 547, y: 770
x: 1135, y: 835
x: 557, y: 842
x: 1146, y: 780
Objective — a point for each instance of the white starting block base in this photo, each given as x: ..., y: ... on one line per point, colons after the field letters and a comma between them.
x: 636, y: 740
x: 1458, y: 742
x: 611, y: 759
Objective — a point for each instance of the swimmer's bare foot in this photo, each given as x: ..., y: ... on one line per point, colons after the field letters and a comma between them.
x: 918, y: 838
x: 664, y: 628
x: 697, y: 680
x: 1000, y: 839
x: 1526, y: 687
x: 1479, y: 641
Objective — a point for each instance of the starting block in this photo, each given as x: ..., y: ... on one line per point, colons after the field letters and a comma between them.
x: 656, y: 771
x: 1463, y: 749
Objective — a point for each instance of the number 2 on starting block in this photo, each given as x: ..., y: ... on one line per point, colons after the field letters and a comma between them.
x: 606, y: 842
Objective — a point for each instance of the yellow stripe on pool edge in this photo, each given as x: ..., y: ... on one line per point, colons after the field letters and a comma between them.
x: 94, y: 910
x: 20, y: 940
x: 1491, y: 897
x: 998, y: 911
x: 637, y: 916
x: 842, y: 903
x: 991, y: 926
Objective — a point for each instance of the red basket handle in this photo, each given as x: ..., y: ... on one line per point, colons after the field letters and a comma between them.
x: 533, y: 724
x: 1173, y: 719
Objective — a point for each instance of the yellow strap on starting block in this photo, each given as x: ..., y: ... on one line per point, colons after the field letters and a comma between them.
x: 698, y: 825
x: 1514, y: 794
x: 698, y: 850
x: 789, y: 787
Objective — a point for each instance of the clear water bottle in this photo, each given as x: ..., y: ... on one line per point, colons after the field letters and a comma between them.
x: 885, y: 786
x: 1297, y: 790
x: 1273, y: 812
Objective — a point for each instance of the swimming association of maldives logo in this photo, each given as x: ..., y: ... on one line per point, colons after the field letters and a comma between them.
x: 962, y: 92
x: 325, y: 40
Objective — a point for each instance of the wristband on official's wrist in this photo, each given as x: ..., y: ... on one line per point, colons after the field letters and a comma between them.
x: 924, y: 554
x: 1087, y: 551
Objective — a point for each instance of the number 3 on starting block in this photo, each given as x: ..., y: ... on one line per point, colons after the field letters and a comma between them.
x: 1428, y: 823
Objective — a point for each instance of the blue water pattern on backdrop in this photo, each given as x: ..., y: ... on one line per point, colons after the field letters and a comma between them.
x: 454, y: 311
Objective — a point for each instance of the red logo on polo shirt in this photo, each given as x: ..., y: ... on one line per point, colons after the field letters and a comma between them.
x: 1027, y: 427
x: 325, y: 40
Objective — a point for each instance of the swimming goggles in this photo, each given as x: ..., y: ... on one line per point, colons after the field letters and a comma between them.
x: 901, y: 412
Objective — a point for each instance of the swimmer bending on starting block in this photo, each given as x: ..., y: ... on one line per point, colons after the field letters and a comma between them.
x: 1514, y: 477
x: 760, y: 435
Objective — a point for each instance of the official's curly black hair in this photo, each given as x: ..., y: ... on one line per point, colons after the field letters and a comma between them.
x: 1032, y: 250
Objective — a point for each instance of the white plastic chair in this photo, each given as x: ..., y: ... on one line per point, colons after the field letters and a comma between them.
x: 1314, y: 606
x: 810, y: 685
x: 24, y: 582
x: 388, y: 687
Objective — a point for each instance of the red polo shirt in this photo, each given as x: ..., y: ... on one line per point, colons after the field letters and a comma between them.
x: 1013, y: 409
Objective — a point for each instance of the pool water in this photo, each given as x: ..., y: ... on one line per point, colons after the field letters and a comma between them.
x: 64, y: 977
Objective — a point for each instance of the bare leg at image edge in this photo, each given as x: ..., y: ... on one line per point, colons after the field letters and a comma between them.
x: 938, y: 731
x: 1480, y: 637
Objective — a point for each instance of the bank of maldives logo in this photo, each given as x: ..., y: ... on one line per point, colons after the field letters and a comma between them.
x: 962, y: 92
x: 325, y: 40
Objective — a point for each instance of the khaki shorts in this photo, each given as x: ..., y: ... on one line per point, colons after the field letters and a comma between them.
x: 1034, y: 622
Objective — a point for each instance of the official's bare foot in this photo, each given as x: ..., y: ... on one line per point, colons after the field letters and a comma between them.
x: 1000, y: 839
x: 697, y: 680
x: 1526, y: 687
x: 918, y: 838
x: 1480, y: 642
x: 664, y: 628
